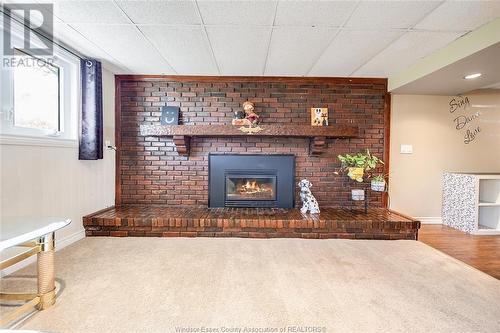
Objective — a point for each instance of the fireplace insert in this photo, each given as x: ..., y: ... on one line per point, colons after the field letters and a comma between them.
x: 251, y: 180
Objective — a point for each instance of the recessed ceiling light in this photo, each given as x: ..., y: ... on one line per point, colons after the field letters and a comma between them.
x: 472, y: 76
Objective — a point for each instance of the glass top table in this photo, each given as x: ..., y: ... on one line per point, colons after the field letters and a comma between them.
x: 18, y: 230
x: 21, y: 238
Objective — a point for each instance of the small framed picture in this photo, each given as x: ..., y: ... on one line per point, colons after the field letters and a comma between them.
x: 319, y: 116
x: 170, y: 115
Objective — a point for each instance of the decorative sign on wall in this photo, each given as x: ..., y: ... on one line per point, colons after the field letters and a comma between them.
x: 464, y: 120
x: 319, y: 116
x: 170, y: 115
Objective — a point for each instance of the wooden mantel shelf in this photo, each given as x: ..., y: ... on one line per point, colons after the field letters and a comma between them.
x: 182, y: 133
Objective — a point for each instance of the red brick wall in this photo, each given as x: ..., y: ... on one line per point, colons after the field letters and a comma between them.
x: 150, y: 170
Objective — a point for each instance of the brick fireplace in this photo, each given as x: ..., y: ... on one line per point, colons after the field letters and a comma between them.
x: 150, y: 170
x: 163, y: 178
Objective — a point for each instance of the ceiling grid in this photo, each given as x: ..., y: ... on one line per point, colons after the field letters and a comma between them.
x: 287, y: 38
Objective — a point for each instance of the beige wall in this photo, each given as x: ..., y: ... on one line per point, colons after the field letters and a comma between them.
x: 426, y: 123
x: 51, y: 181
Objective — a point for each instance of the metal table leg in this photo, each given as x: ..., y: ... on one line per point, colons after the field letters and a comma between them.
x: 46, y: 276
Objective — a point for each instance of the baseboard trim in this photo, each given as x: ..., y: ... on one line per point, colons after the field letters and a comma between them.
x: 75, y: 237
x: 430, y: 220
x: 60, y: 244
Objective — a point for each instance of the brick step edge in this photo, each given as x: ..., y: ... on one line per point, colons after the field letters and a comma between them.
x: 408, y: 234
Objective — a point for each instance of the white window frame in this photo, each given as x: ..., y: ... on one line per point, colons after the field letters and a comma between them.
x: 69, y: 94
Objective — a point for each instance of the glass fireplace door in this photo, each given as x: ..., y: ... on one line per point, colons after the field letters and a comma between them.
x: 250, y: 187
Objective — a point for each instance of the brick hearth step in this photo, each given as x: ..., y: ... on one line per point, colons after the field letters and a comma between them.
x: 163, y: 221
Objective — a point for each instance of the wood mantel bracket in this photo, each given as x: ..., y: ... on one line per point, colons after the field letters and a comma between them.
x: 182, y: 144
x: 317, y: 135
x: 317, y: 145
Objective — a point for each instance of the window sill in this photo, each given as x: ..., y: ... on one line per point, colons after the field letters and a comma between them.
x: 16, y: 140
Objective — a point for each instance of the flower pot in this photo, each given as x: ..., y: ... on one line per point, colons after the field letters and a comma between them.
x: 356, y: 173
x: 378, y: 186
x: 358, y: 195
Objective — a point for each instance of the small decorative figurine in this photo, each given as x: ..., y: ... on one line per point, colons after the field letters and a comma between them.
x: 247, y: 117
x: 248, y: 107
x: 309, y: 202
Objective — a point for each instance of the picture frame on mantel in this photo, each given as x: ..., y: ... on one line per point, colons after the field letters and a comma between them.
x: 319, y: 116
x: 170, y: 115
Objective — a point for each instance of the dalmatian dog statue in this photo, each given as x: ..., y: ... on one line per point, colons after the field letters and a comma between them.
x: 309, y: 202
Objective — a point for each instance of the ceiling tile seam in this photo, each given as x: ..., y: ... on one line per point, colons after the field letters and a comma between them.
x: 270, y: 39
x: 264, y: 26
x: 115, y: 61
x: 182, y: 25
x: 121, y: 65
x: 441, y: 31
x: 99, y: 24
x: 409, y: 29
x: 157, y: 49
x: 329, y: 43
x: 145, y: 37
x: 377, y: 53
x: 229, y: 25
x: 207, y: 38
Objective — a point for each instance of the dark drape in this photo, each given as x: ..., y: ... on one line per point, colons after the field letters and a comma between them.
x: 91, y: 140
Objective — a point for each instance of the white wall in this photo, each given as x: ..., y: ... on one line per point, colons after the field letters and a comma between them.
x: 39, y: 180
x: 426, y: 123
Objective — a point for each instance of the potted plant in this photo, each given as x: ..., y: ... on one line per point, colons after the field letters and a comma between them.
x: 378, y: 183
x: 356, y: 166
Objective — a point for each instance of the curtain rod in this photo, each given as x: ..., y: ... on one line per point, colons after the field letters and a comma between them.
x: 61, y: 45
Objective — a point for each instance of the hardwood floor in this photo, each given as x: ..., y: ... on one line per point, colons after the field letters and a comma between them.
x: 481, y: 252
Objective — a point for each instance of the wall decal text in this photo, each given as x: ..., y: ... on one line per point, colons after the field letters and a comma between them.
x: 471, y: 135
x: 462, y: 121
x: 459, y: 102
x: 465, y: 122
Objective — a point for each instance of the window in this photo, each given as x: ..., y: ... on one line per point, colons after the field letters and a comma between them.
x: 35, y: 107
x: 40, y: 95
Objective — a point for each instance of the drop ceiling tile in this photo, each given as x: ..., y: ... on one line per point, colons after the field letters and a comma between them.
x: 161, y: 12
x: 351, y: 49
x: 186, y: 48
x: 65, y: 34
x: 461, y: 15
x: 317, y: 13
x: 240, y: 50
x: 405, y: 51
x: 126, y: 44
x: 244, y: 13
x: 293, y: 50
x: 389, y: 14
x: 96, y: 12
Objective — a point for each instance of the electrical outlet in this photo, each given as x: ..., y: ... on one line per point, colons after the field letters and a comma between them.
x: 406, y: 149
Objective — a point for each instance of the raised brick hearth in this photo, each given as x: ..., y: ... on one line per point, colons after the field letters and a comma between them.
x: 162, y: 221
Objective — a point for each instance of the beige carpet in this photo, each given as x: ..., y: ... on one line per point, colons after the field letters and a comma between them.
x: 160, y: 284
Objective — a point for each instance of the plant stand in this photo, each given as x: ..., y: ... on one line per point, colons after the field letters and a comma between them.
x: 367, y: 197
